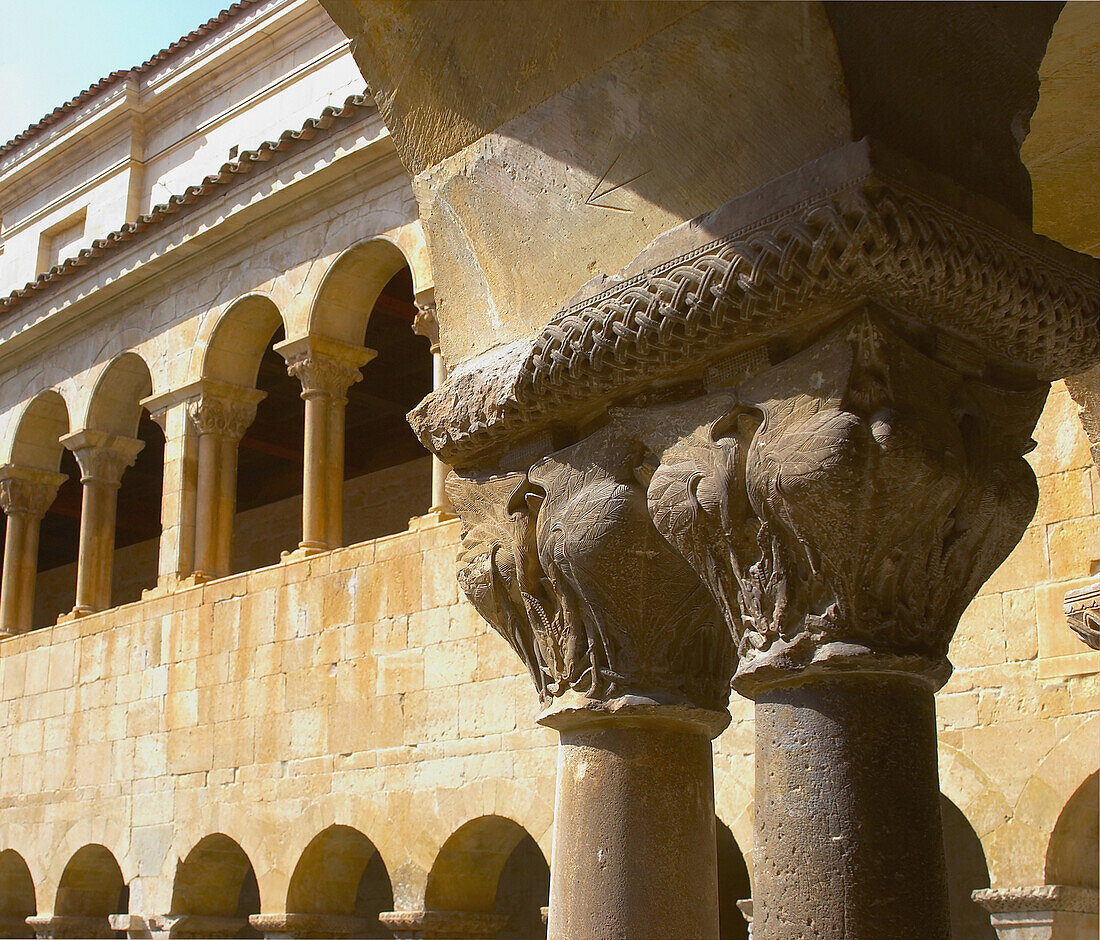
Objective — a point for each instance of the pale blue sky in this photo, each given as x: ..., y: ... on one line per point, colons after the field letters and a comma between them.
x: 51, y: 50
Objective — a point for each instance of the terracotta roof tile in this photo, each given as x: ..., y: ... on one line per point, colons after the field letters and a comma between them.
x: 270, y: 151
x: 91, y: 91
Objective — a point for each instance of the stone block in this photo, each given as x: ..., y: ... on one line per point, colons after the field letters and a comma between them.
x: 1021, y: 630
x: 1073, y: 547
x: 451, y: 663
x: 400, y: 672
x: 1027, y: 564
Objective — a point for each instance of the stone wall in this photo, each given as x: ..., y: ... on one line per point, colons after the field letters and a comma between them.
x: 357, y: 687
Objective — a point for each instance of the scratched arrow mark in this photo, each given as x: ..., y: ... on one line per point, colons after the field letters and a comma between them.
x: 594, y: 195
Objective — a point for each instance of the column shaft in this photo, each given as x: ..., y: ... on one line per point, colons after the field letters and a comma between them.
x: 315, y: 473
x: 634, y: 844
x: 334, y: 493
x: 440, y: 502
x: 848, y: 839
x: 226, y: 511
x: 14, y: 616
x: 206, y: 506
x: 97, y: 542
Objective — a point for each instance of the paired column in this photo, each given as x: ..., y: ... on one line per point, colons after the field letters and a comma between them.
x: 221, y: 415
x: 427, y: 325
x: 25, y: 495
x: 102, y: 458
x: 823, y: 527
x: 326, y: 368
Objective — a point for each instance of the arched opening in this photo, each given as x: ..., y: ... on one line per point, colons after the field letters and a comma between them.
x: 341, y: 874
x: 91, y: 889
x: 733, y: 885
x: 491, y: 865
x: 37, y: 447
x: 1073, y: 856
x: 217, y: 890
x: 966, y: 872
x: 116, y: 410
x: 17, y: 901
x: 367, y: 299
x: 268, y: 466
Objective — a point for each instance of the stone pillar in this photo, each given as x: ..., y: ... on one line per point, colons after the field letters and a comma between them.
x: 1041, y: 912
x: 632, y: 662
x: 176, y: 555
x: 326, y: 368
x: 427, y: 325
x: 221, y: 415
x: 821, y: 394
x: 25, y: 495
x: 443, y: 925
x: 103, y: 458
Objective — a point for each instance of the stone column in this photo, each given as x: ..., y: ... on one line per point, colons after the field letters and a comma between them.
x: 1041, y: 912
x: 427, y: 325
x: 221, y: 415
x: 176, y: 554
x: 326, y: 368
x: 103, y: 458
x: 25, y: 495
x: 849, y: 506
x: 632, y: 662
x: 821, y: 393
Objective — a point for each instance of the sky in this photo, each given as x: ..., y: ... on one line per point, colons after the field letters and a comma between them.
x: 51, y: 50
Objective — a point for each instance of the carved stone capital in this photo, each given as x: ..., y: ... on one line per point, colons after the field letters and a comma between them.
x: 1037, y: 898
x: 848, y: 507
x: 224, y: 411
x: 1083, y: 613
x: 426, y: 324
x: 324, y: 366
x: 28, y: 492
x: 565, y: 562
x: 102, y: 457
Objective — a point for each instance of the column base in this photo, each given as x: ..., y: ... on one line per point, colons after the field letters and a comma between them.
x: 312, y: 926
x: 1041, y: 912
x: 443, y: 925
x: 76, y: 614
x: 304, y: 550
x: 71, y: 928
x: 745, y: 907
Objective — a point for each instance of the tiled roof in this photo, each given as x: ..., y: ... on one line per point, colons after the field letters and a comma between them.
x: 183, y: 42
x: 244, y: 165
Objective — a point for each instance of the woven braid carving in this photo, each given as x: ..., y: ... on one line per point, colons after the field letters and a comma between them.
x: 915, y: 257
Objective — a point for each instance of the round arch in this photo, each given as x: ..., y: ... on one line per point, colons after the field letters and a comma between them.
x: 237, y: 342
x: 350, y: 288
x: 1073, y: 855
x: 216, y: 880
x: 491, y: 864
x: 115, y: 404
x: 17, y: 897
x: 92, y: 888
x: 340, y: 873
x: 36, y: 444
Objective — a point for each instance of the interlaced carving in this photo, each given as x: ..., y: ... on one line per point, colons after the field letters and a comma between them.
x: 918, y: 258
